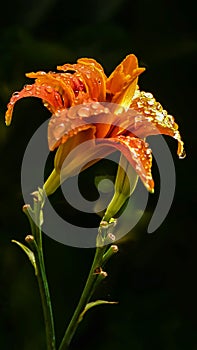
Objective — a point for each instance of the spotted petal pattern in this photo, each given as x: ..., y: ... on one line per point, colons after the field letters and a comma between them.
x: 137, y: 153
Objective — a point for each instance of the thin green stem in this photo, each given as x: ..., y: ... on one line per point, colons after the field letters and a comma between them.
x: 85, y: 297
x: 35, y: 219
x: 46, y: 301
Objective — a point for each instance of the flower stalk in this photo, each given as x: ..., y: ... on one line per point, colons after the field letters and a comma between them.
x: 96, y: 275
x: 35, y: 217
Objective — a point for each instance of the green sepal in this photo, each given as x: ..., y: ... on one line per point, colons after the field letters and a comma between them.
x: 29, y: 253
x: 52, y: 183
x: 93, y: 304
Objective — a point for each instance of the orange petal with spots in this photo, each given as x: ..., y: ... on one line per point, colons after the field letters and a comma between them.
x: 63, y: 126
x: 152, y: 119
x: 65, y: 123
x: 46, y: 93
x: 137, y: 153
x: 91, y: 74
x: 61, y: 82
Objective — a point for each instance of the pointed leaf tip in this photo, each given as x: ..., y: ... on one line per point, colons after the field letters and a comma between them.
x: 92, y: 304
x: 29, y: 253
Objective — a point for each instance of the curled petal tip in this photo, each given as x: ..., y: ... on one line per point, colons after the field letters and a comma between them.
x: 182, y: 155
x: 181, y: 151
x: 151, y: 190
x: 8, y: 117
x: 149, y: 184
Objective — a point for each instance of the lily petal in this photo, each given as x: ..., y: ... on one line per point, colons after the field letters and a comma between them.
x: 63, y: 83
x: 91, y: 74
x: 123, y: 81
x: 46, y: 93
x: 68, y: 122
x: 62, y: 126
x: 152, y: 119
x: 137, y: 153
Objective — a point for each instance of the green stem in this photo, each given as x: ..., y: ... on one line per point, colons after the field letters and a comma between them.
x: 35, y: 219
x: 114, y: 206
x: 46, y: 301
x: 85, y: 297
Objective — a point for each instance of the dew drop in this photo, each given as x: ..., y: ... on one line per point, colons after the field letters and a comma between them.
x: 158, y: 106
x: 182, y: 155
x: 28, y: 87
x: 41, y: 72
x: 147, y: 111
x: 138, y: 119
x: 72, y: 112
x: 148, y: 95
x: 83, y: 112
x: 37, y: 89
x: 159, y: 116
x: 170, y: 119
x: 15, y: 94
x: 151, y: 102
x: 140, y: 104
x: 148, y: 151
x: 48, y: 89
x: 59, y: 131
x: 56, y: 96
x: 95, y: 105
x: 106, y: 110
x: 165, y: 113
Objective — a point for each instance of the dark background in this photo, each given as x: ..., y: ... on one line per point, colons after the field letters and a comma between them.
x: 153, y: 276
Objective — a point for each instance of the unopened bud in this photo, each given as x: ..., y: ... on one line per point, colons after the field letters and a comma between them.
x: 29, y: 238
x: 114, y: 248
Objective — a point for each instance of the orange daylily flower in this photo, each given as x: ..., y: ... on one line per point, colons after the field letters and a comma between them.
x: 110, y: 113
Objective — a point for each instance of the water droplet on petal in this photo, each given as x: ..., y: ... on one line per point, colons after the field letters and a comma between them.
x: 28, y: 87
x: 56, y: 96
x: 41, y: 72
x: 59, y: 131
x: 37, y: 89
x: 15, y: 94
x: 72, y: 112
x: 48, y: 89
x: 151, y: 102
x: 148, y: 95
x: 106, y: 110
x: 83, y: 112
x: 95, y: 105
x: 158, y: 106
x: 159, y: 116
x: 182, y: 155
x: 148, y: 151
x: 170, y: 120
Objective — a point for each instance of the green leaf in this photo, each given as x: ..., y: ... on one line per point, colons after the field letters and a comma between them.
x: 29, y: 253
x: 92, y: 304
